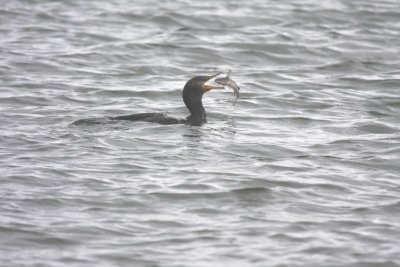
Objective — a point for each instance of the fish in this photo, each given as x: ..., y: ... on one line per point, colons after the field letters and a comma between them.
x: 228, y: 82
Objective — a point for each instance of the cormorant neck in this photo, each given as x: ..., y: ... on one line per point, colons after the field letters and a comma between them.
x: 192, y: 95
x: 197, y: 113
x: 196, y: 108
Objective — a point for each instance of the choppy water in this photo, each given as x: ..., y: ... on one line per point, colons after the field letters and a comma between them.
x: 303, y: 171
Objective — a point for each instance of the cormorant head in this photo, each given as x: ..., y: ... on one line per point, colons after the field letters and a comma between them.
x: 192, y: 97
x: 194, y: 90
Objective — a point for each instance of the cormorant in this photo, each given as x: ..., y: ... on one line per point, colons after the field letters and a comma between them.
x: 192, y: 97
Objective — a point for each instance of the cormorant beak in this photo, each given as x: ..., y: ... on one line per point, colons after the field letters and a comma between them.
x: 207, y: 87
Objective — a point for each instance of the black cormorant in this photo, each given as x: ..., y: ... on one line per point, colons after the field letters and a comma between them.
x: 192, y: 97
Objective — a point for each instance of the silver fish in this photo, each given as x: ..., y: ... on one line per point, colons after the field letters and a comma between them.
x: 228, y: 82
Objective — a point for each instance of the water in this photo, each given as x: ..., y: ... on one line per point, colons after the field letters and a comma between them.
x: 302, y: 171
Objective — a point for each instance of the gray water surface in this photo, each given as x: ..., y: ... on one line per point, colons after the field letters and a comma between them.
x: 304, y: 170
